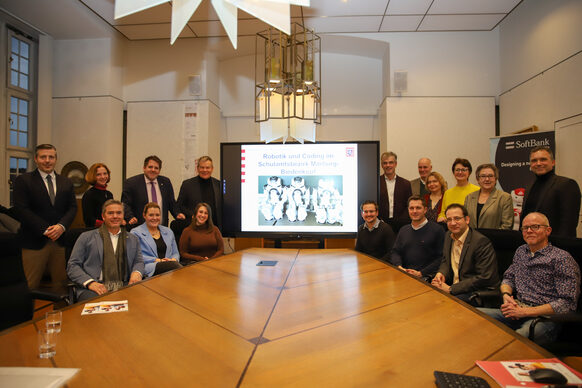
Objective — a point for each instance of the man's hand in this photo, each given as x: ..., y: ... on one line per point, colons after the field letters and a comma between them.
x: 135, y: 277
x: 181, y: 216
x: 512, y: 310
x: 54, y: 232
x: 99, y: 288
x: 414, y: 272
x: 132, y: 221
x: 439, y: 282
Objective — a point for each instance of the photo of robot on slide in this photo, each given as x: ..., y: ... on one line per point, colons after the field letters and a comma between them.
x: 294, y: 200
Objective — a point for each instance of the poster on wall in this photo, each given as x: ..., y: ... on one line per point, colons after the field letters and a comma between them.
x: 511, y: 156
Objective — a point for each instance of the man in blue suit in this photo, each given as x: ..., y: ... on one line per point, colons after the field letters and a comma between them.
x: 149, y: 187
x: 107, y: 258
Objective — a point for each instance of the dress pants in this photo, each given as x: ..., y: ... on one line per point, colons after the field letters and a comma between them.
x: 37, y: 261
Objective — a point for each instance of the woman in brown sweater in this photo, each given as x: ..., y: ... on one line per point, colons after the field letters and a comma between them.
x: 201, y: 240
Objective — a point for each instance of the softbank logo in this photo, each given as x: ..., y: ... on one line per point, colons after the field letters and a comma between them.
x: 530, y: 143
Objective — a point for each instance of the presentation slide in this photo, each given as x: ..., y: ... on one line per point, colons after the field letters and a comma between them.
x: 299, y: 188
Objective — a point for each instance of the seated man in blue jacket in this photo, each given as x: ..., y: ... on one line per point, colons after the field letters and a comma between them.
x: 107, y: 258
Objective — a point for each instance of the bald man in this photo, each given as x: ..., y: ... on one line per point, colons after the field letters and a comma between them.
x: 418, y: 185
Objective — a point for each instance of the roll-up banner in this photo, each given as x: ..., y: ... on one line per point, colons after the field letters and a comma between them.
x: 511, y: 156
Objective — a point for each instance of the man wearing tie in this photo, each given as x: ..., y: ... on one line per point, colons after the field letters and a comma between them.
x: 46, y: 206
x: 149, y: 187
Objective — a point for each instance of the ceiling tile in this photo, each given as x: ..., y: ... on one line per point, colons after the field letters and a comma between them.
x: 341, y: 23
x: 460, y: 22
x: 472, y: 6
x: 408, y: 7
x: 342, y: 8
x: 151, y: 31
x: 208, y: 28
x: 400, y: 23
x: 159, y: 14
x: 251, y: 26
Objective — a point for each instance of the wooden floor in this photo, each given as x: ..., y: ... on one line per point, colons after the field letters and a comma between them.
x: 318, y: 318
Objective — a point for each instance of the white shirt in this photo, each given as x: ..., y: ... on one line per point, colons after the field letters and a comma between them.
x: 149, y: 191
x: 390, y: 184
x: 421, y: 225
x: 43, y: 175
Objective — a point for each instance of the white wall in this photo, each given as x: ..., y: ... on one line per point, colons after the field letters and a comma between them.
x: 441, y: 128
x: 541, y: 36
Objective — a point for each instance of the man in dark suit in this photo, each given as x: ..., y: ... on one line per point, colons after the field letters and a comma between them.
x: 149, y: 187
x: 107, y: 258
x: 557, y: 197
x: 394, y: 193
x: 45, y: 211
x: 202, y: 188
x: 469, y: 262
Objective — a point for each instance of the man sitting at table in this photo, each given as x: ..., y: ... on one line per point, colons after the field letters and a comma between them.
x: 107, y: 258
x: 469, y: 262
x: 418, y: 249
x: 375, y: 237
x: 542, y: 280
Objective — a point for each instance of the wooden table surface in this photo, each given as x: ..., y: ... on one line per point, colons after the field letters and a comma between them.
x: 318, y: 318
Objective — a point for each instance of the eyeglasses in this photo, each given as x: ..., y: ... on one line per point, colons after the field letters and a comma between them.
x: 456, y: 219
x: 461, y: 169
x: 486, y: 176
x: 533, y: 228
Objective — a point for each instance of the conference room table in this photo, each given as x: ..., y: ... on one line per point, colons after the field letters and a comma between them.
x: 330, y: 317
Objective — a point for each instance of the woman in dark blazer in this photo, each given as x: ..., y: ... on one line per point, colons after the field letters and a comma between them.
x: 94, y: 198
x: 488, y: 207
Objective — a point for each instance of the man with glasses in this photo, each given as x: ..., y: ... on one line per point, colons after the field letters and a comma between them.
x: 469, y: 262
x: 542, y: 280
x: 555, y: 196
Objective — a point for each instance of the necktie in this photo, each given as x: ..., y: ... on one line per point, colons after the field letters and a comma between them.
x: 154, y: 195
x: 51, y: 189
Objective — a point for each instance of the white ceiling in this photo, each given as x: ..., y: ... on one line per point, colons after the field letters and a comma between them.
x: 67, y: 19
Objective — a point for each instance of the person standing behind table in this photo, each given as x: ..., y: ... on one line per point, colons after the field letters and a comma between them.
x: 394, y: 193
x: 555, y: 196
x: 418, y: 249
x: 462, y: 170
x: 469, y: 263
x: 201, y: 240
x: 202, y: 188
x: 149, y: 187
x: 92, y: 203
x: 157, y: 243
x: 375, y: 237
x: 46, y: 206
x: 488, y: 207
x: 418, y: 185
x: 437, y: 186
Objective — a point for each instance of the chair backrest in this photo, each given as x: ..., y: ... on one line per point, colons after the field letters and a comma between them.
x: 16, y: 303
x: 574, y: 247
x: 505, y: 243
x: 71, y: 237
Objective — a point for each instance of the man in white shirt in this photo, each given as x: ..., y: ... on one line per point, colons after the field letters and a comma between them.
x: 394, y: 193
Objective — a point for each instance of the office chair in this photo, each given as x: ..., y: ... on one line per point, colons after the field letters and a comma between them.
x: 16, y: 299
x: 71, y: 237
x: 178, y: 227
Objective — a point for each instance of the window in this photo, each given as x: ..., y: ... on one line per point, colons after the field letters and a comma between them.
x: 19, y: 130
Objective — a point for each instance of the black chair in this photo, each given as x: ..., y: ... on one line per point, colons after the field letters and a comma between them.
x: 569, y: 341
x: 178, y: 226
x: 505, y: 243
x: 16, y: 299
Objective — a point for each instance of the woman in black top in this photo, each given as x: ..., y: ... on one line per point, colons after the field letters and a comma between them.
x: 94, y: 198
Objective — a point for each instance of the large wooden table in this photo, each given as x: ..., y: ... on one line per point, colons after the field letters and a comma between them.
x: 318, y: 318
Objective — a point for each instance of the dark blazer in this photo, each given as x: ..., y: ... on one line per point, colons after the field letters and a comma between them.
x: 497, y: 211
x: 135, y: 196
x: 402, y: 191
x: 560, y: 203
x: 477, y: 266
x: 190, y: 195
x: 34, y: 209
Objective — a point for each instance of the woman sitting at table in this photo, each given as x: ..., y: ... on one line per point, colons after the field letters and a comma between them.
x: 201, y: 240
x: 462, y: 170
x: 94, y: 198
x: 157, y: 242
x: 488, y: 207
x: 436, y: 185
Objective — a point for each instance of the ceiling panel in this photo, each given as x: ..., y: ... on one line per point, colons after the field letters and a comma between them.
x: 401, y: 23
x: 472, y: 6
x: 340, y: 23
x: 460, y: 22
x: 408, y: 7
x: 158, y: 14
x: 344, y: 8
x: 151, y: 31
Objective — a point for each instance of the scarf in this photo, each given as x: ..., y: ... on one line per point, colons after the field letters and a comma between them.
x: 114, y: 262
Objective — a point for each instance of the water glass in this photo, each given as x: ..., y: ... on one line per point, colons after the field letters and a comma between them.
x: 53, y: 321
x: 47, y: 343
